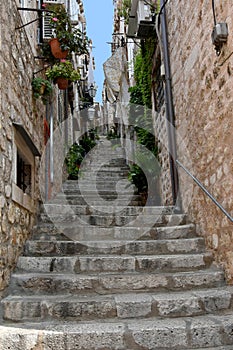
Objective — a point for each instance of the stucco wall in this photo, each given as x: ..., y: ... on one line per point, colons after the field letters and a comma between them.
x: 16, y: 106
x: 203, y: 99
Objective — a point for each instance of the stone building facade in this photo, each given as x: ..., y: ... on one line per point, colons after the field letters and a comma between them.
x: 202, y: 85
x: 21, y: 119
x: 25, y: 125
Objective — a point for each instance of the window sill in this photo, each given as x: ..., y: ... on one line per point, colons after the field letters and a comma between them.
x: 22, y: 198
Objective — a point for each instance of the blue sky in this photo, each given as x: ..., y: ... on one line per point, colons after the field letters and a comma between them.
x: 99, y: 16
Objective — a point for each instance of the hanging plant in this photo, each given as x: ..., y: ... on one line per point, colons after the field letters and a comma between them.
x: 42, y: 88
x: 64, y: 70
x: 70, y: 39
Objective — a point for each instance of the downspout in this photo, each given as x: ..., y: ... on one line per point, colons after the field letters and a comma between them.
x: 170, y: 115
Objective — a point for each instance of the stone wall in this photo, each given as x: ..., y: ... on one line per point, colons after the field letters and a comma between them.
x: 202, y: 87
x: 160, y: 128
x: 17, y: 105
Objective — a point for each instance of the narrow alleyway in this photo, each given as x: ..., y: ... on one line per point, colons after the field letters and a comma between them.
x: 103, y: 272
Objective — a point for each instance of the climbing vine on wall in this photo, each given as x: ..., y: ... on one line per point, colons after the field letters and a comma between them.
x: 124, y: 10
x: 140, y: 108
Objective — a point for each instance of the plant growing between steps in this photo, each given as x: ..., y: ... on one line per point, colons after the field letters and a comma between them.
x: 76, y: 155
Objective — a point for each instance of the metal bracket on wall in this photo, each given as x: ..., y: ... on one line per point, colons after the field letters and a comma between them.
x: 39, y: 11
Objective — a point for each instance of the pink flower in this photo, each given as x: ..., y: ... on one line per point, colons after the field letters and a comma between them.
x: 44, y: 5
x: 62, y: 60
x: 55, y: 19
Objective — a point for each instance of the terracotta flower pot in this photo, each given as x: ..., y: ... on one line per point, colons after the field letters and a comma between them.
x: 56, y: 49
x: 62, y: 83
x: 42, y: 89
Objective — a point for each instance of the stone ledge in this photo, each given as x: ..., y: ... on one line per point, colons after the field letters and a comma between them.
x: 21, y: 198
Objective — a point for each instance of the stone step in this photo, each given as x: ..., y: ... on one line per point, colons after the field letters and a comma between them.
x: 99, y: 181
x: 104, y: 165
x: 115, y: 263
x: 105, y: 283
x: 122, y: 306
x: 96, y: 193
x: 201, y: 332
x: 99, y: 174
x: 48, y: 231
x: 52, y: 208
x: 94, y: 199
x: 74, y: 200
x: 146, y: 247
x: 107, y: 187
x: 111, y: 220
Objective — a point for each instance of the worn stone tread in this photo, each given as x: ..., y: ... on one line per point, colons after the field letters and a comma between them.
x: 114, y: 276
x: 153, y: 334
x: 146, y: 247
x: 102, y: 263
x: 129, y: 210
x: 122, y: 233
x: 132, y: 305
x: 106, y: 282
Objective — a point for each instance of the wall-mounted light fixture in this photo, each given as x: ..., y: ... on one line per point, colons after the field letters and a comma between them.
x: 219, y: 33
x: 92, y: 90
x: 219, y: 36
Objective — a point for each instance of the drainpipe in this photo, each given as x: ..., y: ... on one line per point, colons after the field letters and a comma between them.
x: 170, y: 115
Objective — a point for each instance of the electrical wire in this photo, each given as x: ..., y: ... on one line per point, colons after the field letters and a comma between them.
x: 159, y: 36
x: 148, y: 3
x: 162, y: 8
x: 213, y: 8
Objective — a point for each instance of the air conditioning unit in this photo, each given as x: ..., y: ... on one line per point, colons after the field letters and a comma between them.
x: 141, y: 21
x: 143, y: 11
x: 47, y: 31
x: 145, y: 24
x: 62, y: 2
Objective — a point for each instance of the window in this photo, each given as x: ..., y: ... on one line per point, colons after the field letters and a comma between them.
x: 24, y: 152
x: 24, y: 174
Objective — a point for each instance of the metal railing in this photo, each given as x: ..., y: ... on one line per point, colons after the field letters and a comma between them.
x: 205, y: 190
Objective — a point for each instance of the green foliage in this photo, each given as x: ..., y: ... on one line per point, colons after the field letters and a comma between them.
x: 76, y: 155
x: 71, y: 39
x: 143, y: 71
x: 64, y: 69
x: 140, y: 115
x: 47, y: 54
x: 124, y: 10
x: 73, y: 160
x: 112, y: 134
x: 41, y: 88
x: 136, y: 95
x: 138, y: 178
x: 87, y: 144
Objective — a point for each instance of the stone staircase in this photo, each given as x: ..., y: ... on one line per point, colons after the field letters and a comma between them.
x: 103, y: 272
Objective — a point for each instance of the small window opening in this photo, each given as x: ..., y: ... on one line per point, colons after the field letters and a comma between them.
x: 24, y: 174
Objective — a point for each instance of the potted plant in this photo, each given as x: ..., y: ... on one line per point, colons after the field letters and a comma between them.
x: 41, y: 88
x: 65, y: 38
x: 61, y: 73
